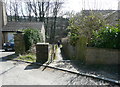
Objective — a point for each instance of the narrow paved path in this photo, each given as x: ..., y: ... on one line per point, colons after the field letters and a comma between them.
x: 58, y: 55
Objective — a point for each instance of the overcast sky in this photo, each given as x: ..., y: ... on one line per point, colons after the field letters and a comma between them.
x: 78, y: 5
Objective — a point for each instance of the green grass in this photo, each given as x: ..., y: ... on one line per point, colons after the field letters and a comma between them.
x: 27, y: 57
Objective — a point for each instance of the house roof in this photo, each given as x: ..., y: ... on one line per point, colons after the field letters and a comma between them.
x: 111, y: 16
x: 103, y: 12
x: 15, y: 26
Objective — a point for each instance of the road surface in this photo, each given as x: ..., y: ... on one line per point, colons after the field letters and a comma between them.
x: 18, y: 73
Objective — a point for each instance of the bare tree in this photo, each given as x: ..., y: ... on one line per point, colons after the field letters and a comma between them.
x: 43, y: 14
x: 34, y: 8
x: 10, y: 11
x: 29, y: 10
x: 22, y: 12
x: 47, y: 17
x: 39, y: 9
x: 57, y: 5
x: 15, y: 9
x: 42, y: 11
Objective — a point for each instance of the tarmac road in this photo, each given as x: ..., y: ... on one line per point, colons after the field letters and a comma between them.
x: 3, y: 53
x: 19, y: 73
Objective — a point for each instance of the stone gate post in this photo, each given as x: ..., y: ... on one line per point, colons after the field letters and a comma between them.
x: 19, y: 43
x: 42, y: 52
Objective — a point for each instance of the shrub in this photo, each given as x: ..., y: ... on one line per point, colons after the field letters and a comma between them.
x: 107, y: 37
x: 80, y: 25
x: 31, y: 37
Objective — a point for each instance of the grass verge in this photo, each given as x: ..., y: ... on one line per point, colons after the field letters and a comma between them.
x: 27, y: 57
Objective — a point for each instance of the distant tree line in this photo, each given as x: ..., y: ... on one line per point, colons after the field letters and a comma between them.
x: 37, y: 11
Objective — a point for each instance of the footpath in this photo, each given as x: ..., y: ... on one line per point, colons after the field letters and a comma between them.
x: 110, y: 73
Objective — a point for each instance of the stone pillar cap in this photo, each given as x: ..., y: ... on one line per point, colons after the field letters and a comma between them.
x: 42, y: 43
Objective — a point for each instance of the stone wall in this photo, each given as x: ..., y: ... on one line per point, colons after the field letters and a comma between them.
x: 102, y: 56
x: 3, y: 16
x: 0, y: 24
x: 68, y: 51
x: 19, y: 43
x: 0, y: 39
x: 4, y: 37
x: 42, y: 52
x: 74, y: 52
x: 45, y: 52
x: 90, y: 55
x: 1, y: 12
x: 3, y: 20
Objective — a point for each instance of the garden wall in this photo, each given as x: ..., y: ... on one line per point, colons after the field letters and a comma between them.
x: 90, y: 55
x: 74, y: 52
x: 68, y: 51
x: 102, y: 56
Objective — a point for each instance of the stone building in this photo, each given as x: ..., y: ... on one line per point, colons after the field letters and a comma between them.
x: 11, y: 27
x: 3, y: 20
